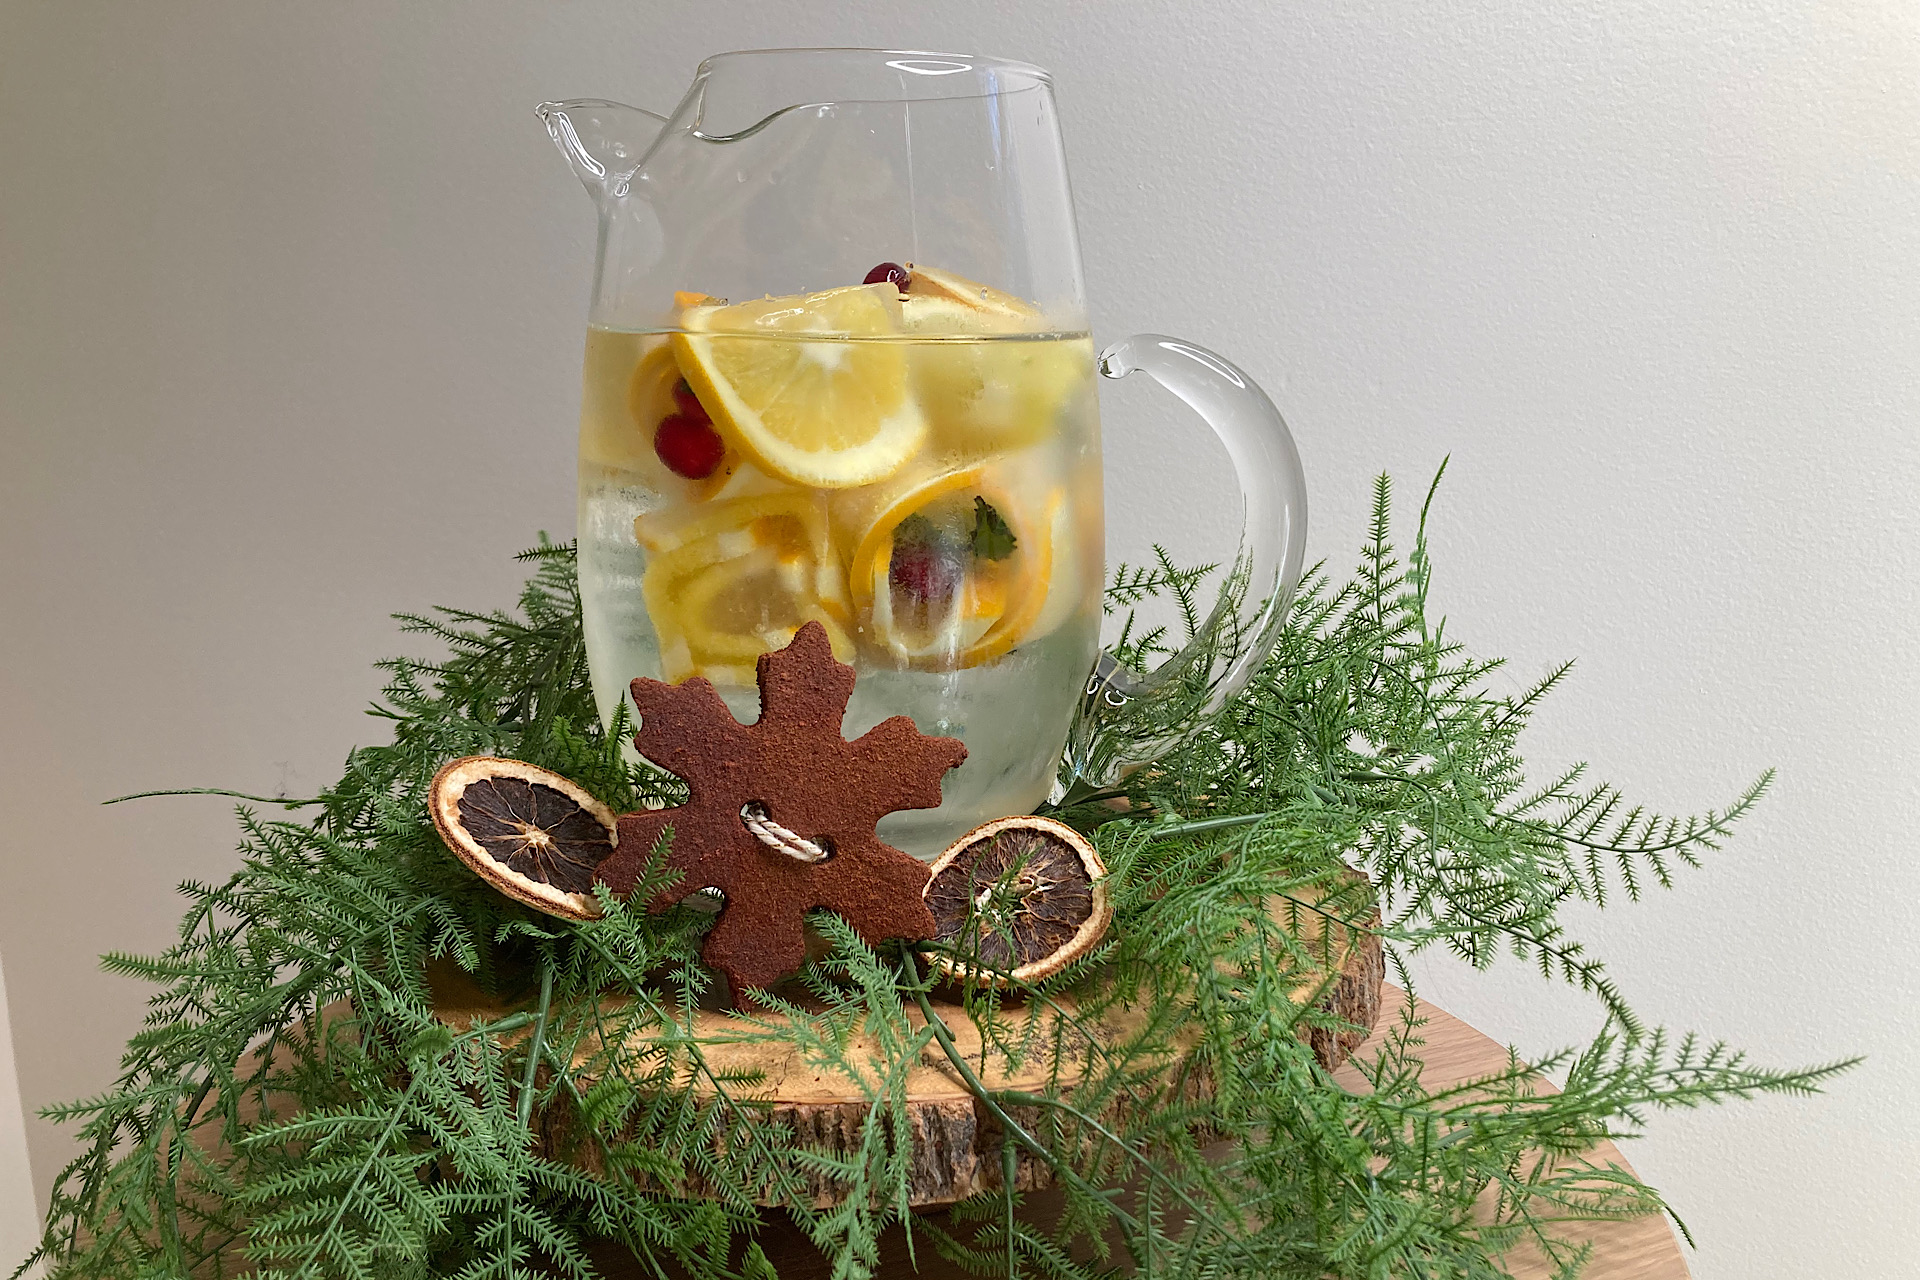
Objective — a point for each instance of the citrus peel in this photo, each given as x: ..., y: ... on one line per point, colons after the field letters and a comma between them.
x: 994, y: 604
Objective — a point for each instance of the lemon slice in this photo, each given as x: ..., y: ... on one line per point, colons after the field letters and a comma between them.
x: 800, y: 385
x: 883, y: 511
x: 986, y: 376
x: 931, y: 282
x: 1032, y: 588
x: 701, y: 598
x: 1066, y: 583
x: 950, y: 635
x: 730, y: 580
x: 626, y: 389
x: 650, y: 400
x: 773, y: 586
x: 671, y: 528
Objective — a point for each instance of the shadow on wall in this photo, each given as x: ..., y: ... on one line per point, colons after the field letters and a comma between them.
x: 19, y: 1216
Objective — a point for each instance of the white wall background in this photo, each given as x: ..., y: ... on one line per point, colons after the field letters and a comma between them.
x: 290, y: 307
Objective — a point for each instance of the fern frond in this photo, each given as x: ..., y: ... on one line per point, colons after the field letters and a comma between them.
x: 292, y: 1105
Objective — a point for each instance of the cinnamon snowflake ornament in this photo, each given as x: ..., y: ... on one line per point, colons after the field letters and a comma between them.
x: 780, y: 813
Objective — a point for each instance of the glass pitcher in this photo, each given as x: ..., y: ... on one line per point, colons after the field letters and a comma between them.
x: 838, y: 369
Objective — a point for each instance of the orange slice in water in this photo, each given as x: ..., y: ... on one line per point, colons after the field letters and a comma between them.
x: 992, y: 604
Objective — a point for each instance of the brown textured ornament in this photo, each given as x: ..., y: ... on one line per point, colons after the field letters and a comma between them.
x: 803, y: 775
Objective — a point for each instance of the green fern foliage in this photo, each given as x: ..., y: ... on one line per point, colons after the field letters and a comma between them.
x: 293, y: 1106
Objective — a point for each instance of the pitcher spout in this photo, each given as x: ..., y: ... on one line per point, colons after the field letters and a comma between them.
x: 604, y: 142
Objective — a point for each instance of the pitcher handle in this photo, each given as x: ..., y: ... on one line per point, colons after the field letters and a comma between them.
x: 1128, y: 718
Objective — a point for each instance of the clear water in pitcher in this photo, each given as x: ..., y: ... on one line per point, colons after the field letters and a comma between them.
x: 914, y: 464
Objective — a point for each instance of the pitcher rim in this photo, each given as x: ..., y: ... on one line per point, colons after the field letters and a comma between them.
x: 1039, y: 77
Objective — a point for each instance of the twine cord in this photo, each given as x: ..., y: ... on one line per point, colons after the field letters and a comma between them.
x: 778, y: 838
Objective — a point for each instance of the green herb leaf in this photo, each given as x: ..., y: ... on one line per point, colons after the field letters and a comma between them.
x: 992, y: 539
x: 916, y: 531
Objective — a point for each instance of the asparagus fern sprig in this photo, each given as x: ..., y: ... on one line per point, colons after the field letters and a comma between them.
x: 293, y: 1104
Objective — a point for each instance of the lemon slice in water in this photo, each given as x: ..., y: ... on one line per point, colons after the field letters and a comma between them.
x: 987, y: 371
x: 733, y: 579
x: 801, y: 385
x: 931, y: 282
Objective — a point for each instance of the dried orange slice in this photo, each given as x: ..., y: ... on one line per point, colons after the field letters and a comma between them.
x: 1017, y: 900
x: 530, y: 833
x: 808, y: 386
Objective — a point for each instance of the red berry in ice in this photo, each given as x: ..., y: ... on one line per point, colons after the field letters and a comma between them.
x: 689, y: 403
x: 891, y: 272
x: 689, y: 446
x: 925, y: 571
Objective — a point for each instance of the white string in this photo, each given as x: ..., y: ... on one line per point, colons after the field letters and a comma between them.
x: 778, y: 838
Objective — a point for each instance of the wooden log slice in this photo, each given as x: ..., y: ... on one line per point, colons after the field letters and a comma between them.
x: 956, y: 1141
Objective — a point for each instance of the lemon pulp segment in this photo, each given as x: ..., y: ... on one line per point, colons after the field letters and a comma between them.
x: 809, y: 386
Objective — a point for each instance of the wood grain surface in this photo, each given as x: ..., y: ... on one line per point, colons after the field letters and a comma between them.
x: 956, y: 1148
x: 1638, y: 1249
x: 1635, y: 1249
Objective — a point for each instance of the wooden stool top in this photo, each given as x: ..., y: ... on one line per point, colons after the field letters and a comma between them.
x: 1630, y: 1249
x: 1633, y: 1249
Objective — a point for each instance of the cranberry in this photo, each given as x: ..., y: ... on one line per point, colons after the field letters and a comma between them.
x: 688, y: 445
x: 891, y: 272
x: 926, y: 572
x: 690, y: 403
